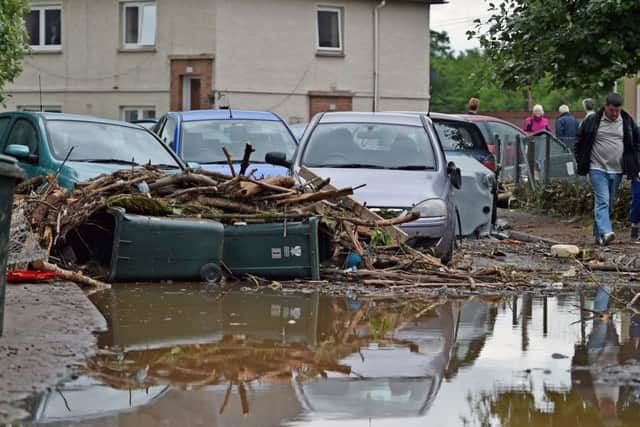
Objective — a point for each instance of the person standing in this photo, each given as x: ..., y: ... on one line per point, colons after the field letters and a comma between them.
x: 566, y: 125
x: 474, y: 106
x: 589, y: 107
x: 606, y: 149
x: 536, y: 122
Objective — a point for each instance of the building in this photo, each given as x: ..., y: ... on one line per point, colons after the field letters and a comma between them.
x: 138, y: 59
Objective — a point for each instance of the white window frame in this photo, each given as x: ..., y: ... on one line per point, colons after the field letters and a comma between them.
x: 42, y: 29
x: 339, y: 10
x: 140, y: 5
x: 139, y: 109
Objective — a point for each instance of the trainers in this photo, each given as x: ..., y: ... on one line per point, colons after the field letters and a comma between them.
x: 608, y: 238
x: 634, y: 233
x: 599, y: 241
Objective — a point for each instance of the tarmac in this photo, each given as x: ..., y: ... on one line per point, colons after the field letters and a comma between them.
x: 48, y: 330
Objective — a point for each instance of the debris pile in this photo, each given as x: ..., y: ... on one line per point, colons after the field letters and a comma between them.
x: 384, y: 259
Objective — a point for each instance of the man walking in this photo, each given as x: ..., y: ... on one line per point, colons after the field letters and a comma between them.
x: 606, y: 150
x: 566, y: 125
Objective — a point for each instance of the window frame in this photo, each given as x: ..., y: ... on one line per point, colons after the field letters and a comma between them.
x: 123, y: 34
x: 43, y: 47
x: 33, y: 151
x: 340, y: 12
x: 37, y: 108
x: 140, y: 109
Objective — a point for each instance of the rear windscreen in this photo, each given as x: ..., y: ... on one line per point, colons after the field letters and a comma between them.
x: 459, y: 136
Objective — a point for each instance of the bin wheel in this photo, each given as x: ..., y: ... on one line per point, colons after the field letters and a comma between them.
x: 211, y: 273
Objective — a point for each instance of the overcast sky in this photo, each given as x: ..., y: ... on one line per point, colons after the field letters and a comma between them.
x: 456, y: 17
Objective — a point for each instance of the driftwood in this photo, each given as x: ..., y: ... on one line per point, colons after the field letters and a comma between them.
x: 181, y: 179
x: 315, y: 197
x: 248, y: 149
x: 382, y: 223
x: 227, y: 155
x: 71, y: 276
x: 280, y: 184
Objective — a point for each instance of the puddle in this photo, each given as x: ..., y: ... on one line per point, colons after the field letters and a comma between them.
x: 189, y: 355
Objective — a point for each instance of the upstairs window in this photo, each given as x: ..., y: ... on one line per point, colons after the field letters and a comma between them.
x: 132, y: 114
x: 139, y: 25
x: 44, y: 27
x: 329, y: 22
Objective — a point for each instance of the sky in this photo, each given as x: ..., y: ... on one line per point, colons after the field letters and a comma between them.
x: 456, y: 17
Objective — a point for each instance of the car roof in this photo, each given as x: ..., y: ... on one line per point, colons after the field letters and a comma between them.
x: 75, y: 118
x: 388, y: 118
x: 479, y: 118
x: 226, y: 114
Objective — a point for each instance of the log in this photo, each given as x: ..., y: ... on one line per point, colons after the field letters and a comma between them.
x: 281, y: 184
x: 71, y: 276
x: 248, y: 149
x: 382, y: 223
x: 316, y: 197
x: 40, y: 212
x: 226, y: 204
x: 183, y: 178
x: 179, y: 193
x: 227, y: 154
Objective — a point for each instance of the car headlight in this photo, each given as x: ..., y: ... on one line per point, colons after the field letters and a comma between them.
x: 431, y: 208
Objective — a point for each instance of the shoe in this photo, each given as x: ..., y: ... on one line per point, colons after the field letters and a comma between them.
x: 599, y: 241
x: 634, y: 233
x: 608, y: 238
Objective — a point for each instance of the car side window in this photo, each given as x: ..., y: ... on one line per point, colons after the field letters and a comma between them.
x: 506, y: 133
x: 24, y: 133
x: 4, y: 123
x: 167, y: 135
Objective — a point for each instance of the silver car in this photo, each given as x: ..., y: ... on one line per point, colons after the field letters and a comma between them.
x: 399, y: 159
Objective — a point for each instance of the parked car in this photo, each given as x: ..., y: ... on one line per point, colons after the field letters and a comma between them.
x: 198, y: 138
x: 79, y: 147
x: 399, y: 159
x: 146, y: 123
x: 298, y: 130
x: 459, y: 134
x: 502, y: 133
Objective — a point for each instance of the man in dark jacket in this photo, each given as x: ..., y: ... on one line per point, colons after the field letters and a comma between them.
x: 606, y: 150
x: 566, y: 125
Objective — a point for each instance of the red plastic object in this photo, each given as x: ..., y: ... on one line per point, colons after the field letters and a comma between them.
x: 25, y: 276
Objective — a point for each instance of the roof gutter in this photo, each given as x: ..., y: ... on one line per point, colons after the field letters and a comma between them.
x: 376, y: 55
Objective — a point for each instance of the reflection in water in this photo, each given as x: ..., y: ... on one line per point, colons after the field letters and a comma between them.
x: 189, y: 355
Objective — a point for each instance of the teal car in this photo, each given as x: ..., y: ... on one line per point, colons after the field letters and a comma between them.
x: 78, y: 147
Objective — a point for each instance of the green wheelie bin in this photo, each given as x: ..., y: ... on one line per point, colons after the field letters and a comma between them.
x: 10, y: 173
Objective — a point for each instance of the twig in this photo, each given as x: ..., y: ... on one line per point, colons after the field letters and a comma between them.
x: 227, y: 154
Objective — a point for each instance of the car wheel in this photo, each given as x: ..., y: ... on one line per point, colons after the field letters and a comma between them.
x: 447, y: 256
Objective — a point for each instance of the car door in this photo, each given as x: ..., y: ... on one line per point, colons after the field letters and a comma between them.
x: 24, y: 132
x: 167, y: 132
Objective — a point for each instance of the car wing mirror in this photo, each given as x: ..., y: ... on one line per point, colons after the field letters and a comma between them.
x: 20, y: 152
x: 278, y: 158
x: 454, y: 175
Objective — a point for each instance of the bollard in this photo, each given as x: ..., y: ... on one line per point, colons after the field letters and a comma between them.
x: 10, y: 173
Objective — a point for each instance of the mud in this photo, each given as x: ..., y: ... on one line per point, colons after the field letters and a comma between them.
x: 48, y: 328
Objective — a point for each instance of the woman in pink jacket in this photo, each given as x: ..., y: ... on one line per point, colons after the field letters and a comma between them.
x: 536, y: 122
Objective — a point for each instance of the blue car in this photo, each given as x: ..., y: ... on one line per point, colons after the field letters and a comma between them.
x: 198, y: 138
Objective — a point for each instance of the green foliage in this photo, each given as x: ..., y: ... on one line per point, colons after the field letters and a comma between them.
x: 569, y: 199
x: 584, y: 44
x: 457, y: 77
x: 381, y: 237
x: 13, y: 41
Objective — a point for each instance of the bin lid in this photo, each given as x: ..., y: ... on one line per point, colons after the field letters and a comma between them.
x: 9, y: 168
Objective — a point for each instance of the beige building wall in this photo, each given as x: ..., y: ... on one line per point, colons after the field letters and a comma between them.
x: 631, y: 89
x: 264, y: 52
x: 93, y: 74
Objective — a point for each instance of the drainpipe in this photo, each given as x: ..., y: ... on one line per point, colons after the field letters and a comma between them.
x: 376, y: 54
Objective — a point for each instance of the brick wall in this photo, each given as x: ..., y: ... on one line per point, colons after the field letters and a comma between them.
x: 319, y: 102
x: 201, y: 68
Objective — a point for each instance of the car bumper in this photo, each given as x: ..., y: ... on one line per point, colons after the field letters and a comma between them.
x: 437, y: 233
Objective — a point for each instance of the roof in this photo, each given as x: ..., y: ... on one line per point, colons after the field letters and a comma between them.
x: 197, y: 115
x: 388, y: 118
x: 76, y: 118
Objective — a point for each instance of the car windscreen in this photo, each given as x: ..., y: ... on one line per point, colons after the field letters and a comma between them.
x: 459, y: 136
x: 104, y: 142
x: 202, y: 141
x: 369, y: 145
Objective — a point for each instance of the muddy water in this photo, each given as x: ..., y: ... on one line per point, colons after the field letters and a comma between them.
x: 187, y: 355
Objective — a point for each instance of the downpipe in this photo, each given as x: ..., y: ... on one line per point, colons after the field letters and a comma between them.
x: 376, y: 54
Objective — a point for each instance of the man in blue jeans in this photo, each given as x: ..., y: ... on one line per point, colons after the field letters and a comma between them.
x: 606, y: 149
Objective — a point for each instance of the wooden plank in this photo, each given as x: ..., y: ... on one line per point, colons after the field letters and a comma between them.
x: 396, y: 233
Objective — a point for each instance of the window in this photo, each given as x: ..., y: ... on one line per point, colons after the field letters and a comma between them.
x: 329, y: 22
x: 4, y: 122
x: 45, y: 108
x: 168, y: 131
x: 139, y: 25
x: 459, y: 136
x: 132, y: 114
x: 23, y: 133
x: 44, y: 27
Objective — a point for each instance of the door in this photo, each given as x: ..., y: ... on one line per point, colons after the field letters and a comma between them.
x: 190, y: 93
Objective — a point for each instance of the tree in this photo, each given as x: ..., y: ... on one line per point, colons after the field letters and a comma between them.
x: 13, y: 41
x: 582, y: 44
